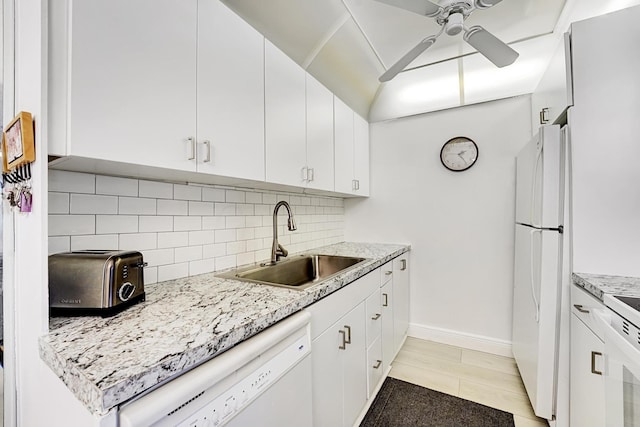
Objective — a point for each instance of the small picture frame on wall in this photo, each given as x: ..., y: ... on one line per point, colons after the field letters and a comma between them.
x: 17, y: 142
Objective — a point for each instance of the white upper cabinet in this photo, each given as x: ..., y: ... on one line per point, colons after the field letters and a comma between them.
x: 122, y: 86
x: 351, y: 151
x: 230, y: 97
x: 320, y: 171
x: 285, y: 123
x: 554, y: 93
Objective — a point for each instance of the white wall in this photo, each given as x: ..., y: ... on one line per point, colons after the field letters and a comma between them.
x: 460, y: 225
x: 183, y: 230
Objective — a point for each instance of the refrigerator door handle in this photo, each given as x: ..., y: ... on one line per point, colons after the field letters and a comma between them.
x: 532, y: 279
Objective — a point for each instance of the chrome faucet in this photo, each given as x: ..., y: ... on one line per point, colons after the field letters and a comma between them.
x: 277, y: 250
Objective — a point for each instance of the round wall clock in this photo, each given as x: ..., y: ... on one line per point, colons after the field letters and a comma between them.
x: 459, y: 154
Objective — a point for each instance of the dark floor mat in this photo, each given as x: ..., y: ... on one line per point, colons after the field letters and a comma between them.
x: 403, y: 404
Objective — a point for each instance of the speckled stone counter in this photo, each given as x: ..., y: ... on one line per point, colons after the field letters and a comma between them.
x: 182, y: 323
x: 598, y: 284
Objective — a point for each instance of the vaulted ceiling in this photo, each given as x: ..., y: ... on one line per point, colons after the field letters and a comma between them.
x: 348, y: 44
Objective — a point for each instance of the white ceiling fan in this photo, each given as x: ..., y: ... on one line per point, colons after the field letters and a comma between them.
x: 450, y: 15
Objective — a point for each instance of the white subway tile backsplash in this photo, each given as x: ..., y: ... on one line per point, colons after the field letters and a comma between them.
x: 183, y: 229
x: 155, y: 190
x: 155, y: 257
x: 201, y: 266
x: 244, y: 209
x: 138, y: 241
x: 70, y: 225
x: 109, y: 224
x: 155, y: 223
x: 189, y: 253
x: 59, y: 244
x: 72, y: 182
x: 96, y: 241
x: 116, y: 186
x: 187, y: 223
x: 173, y: 271
x: 213, y: 222
x: 187, y: 192
x: 204, y: 237
x: 233, y: 196
x: 173, y: 207
x: 58, y: 203
x: 136, y: 206
x: 223, y: 236
x: 150, y: 275
x: 92, y: 204
x: 173, y: 239
x: 225, y: 262
x: 200, y: 208
x: 224, y: 209
x: 215, y: 250
x: 213, y: 195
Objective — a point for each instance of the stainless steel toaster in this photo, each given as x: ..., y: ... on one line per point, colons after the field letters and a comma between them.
x: 95, y: 282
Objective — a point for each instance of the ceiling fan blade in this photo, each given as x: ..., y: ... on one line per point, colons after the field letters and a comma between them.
x: 421, y: 7
x: 408, y: 58
x: 494, y: 49
x: 485, y: 4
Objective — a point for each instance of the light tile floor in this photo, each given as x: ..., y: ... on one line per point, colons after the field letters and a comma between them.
x: 473, y: 375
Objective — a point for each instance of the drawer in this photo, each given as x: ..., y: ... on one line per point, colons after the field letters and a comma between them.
x: 374, y: 366
x: 582, y: 305
x: 374, y: 317
x: 386, y: 272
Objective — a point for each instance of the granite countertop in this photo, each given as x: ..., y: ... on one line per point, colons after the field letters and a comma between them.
x: 182, y: 323
x: 599, y: 284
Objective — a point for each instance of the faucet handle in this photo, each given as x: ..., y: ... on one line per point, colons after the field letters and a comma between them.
x: 283, y: 251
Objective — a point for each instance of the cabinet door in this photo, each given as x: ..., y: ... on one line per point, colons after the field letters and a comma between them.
x: 319, y: 135
x: 344, y: 160
x: 387, y: 334
x: 400, y: 299
x: 587, y: 389
x: 327, y: 380
x: 375, y: 367
x: 354, y: 367
x: 285, y: 128
x: 126, y: 106
x: 361, y: 155
x: 373, y: 317
x: 230, y: 103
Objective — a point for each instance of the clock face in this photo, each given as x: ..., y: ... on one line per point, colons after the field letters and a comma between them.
x: 459, y: 154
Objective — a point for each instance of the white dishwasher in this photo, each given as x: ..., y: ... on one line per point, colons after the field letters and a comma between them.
x: 263, y: 381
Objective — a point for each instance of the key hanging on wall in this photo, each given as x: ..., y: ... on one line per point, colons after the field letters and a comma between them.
x: 18, y: 152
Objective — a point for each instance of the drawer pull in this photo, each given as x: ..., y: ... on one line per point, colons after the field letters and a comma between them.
x: 376, y: 317
x: 386, y: 300
x: 388, y: 273
x: 344, y: 341
x: 378, y: 363
x: 580, y: 309
x: 593, y: 362
x: 404, y: 264
x: 348, y: 328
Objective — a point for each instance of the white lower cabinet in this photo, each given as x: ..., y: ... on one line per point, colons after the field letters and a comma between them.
x: 375, y: 366
x: 587, y: 404
x: 400, y: 300
x: 388, y: 346
x: 339, y: 373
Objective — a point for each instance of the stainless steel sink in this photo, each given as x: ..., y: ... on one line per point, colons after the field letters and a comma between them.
x: 299, y: 272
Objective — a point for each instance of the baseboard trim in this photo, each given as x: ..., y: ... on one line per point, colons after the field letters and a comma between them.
x: 461, y: 339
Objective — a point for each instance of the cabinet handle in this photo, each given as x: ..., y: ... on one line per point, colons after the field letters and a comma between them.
x: 353, y: 185
x: 386, y: 300
x: 192, y: 141
x: 593, y: 362
x: 310, y: 174
x: 376, y: 317
x: 348, y: 328
x: 388, y: 273
x: 378, y: 363
x: 357, y: 184
x: 305, y: 173
x: 544, y: 119
x: 208, y: 145
x: 344, y: 341
x: 404, y: 264
x: 580, y: 309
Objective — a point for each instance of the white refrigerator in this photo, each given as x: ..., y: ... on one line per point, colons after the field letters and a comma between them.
x: 539, y: 264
